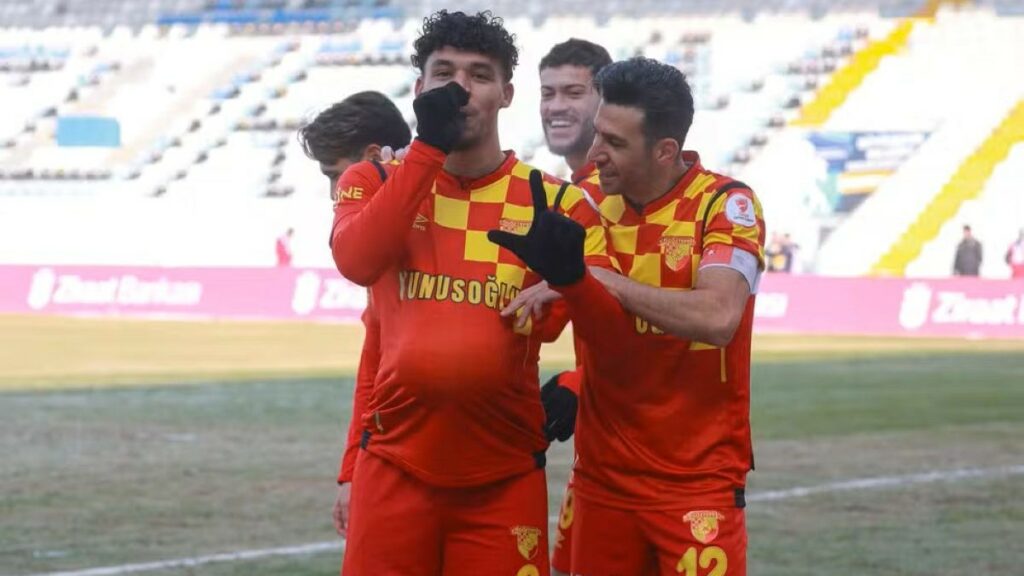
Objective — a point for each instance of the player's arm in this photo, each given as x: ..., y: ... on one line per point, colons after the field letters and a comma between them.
x: 709, y: 313
x: 731, y: 264
x: 366, y: 375
x: 598, y: 318
x: 369, y: 363
x: 371, y: 225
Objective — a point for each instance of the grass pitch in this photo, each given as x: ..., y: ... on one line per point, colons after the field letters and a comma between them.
x: 108, y: 460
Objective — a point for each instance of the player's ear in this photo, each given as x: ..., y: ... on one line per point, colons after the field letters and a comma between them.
x: 507, y: 92
x: 417, y: 88
x: 666, y: 151
x: 371, y: 152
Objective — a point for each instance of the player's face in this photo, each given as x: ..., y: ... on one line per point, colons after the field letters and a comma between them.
x: 620, y: 151
x: 481, y: 76
x: 568, y: 103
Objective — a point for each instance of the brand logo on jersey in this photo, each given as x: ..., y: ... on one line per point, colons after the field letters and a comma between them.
x: 514, y: 226
x: 351, y: 193
x: 527, y: 540
x: 739, y: 210
x: 675, y: 250
x: 703, y: 524
x: 420, y: 223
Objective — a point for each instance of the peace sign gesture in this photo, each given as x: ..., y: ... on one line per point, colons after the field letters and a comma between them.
x: 553, y: 248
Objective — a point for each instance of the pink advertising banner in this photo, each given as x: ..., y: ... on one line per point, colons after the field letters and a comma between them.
x: 953, y: 307
x: 957, y: 307
x: 224, y: 293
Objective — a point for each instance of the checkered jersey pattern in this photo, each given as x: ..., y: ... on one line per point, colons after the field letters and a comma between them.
x: 664, y: 245
x: 506, y: 203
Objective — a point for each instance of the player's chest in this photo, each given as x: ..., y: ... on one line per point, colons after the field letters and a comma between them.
x: 448, y: 238
x: 665, y: 254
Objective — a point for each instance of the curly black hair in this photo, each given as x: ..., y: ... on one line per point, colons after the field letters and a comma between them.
x: 659, y: 90
x: 481, y: 33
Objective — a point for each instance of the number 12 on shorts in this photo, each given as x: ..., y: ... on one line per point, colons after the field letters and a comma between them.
x: 712, y: 561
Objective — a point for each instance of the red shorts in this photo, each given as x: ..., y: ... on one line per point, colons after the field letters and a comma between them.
x: 561, y: 558
x: 399, y: 526
x: 693, y: 542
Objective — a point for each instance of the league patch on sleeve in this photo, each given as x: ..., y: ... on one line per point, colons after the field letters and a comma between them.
x: 739, y: 210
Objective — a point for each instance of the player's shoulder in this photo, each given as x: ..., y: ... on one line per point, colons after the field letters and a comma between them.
x: 718, y: 184
x: 520, y: 171
x: 553, y: 185
x: 370, y: 173
x: 734, y: 200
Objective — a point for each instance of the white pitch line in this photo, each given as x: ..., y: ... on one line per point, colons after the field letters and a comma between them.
x: 769, y: 496
x: 201, y: 560
x: 886, y: 482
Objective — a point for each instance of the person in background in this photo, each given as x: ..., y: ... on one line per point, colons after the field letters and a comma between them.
x: 968, y: 255
x: 1015, y: 257
x: 353, y: 130
x: 568, y: 104
x: 283, y: 248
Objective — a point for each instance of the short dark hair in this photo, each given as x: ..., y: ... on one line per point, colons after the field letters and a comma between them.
x: 659, y: 90
x: 346, y: 128
x: 481, y: 33
x: 576, y: 52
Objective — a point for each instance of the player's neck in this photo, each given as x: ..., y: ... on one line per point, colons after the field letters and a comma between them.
x: 660, y: 185
x: 576, y: 160
x: 475, y: 162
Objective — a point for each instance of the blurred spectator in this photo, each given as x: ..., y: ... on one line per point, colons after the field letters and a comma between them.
x: 284, y: 248
x: 1015, y: 257
x: 968, y: 255
x: 790, y: 250
x: 780, y: 253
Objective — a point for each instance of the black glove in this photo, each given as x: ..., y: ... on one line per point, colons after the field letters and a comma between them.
x: 559, y: 409
x: 553, y: 247
x: 438, y: 120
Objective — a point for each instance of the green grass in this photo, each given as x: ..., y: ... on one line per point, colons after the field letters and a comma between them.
x: 103, y: 477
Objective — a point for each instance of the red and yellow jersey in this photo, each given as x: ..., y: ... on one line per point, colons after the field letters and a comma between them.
x: 456, y: 400
x: 664, y: 422
x: 587, y: 178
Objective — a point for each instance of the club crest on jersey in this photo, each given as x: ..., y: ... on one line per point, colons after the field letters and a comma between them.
x: 675, y: 250
x: 703, y: 524
x: 739, y: 210
x: 514, y: 226
x: 527, y: 540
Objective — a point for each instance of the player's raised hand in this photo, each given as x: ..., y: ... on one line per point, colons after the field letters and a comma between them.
x: 553, y: 247
x: 439, y: 121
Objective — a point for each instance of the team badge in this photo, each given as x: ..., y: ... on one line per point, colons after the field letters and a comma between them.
x: 527, y: 540
x: 514, y: 226
x: 703, y: 524
x: 739, y: 210
x: 675, y: 250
